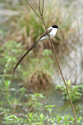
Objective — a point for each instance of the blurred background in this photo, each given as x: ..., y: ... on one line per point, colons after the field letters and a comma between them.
x: 35, y: 93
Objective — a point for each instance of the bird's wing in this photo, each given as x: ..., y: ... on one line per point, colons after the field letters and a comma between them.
x: 25, y: 54
x: 47, y: 32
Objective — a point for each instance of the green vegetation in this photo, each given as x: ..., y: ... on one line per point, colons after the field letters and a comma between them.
x: 24, y: 95
x: 76, y: 92
x: 33, y: 112
x: 9, y: 55
x: 10, y: 52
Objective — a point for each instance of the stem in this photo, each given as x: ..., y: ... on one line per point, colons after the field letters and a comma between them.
x: 33, y: 9
x: 43, y: 7
x: 60, y: 71
x: 41, y: 17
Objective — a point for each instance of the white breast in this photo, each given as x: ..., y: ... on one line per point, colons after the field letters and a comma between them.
x: 53, y: 32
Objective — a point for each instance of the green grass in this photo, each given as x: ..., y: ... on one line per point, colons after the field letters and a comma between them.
x: 76, y: 92
x: 34, y: 111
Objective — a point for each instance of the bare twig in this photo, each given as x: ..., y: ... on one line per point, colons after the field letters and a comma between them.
x: 41, y: 17
x: 42, y: 7
x: 39, y: 3
x: 33, y: 9
x: 35, y: 4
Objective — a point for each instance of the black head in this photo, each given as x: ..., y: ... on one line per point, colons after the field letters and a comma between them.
x: 55, y: 26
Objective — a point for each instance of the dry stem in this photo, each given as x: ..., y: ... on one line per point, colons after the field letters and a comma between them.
x: 41, y: 11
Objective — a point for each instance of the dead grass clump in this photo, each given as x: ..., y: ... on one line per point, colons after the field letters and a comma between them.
x: 38, y: 80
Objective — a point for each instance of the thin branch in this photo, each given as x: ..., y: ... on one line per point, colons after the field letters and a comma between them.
x: 43, y: 7
x: 61, y: 72
x: 35, y: 4
x: 39, y: 3
x: 38, y: 7
x: 40, y: 11
x: 33, y: 9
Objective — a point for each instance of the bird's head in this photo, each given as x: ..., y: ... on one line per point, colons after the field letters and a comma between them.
x: 55, y: 26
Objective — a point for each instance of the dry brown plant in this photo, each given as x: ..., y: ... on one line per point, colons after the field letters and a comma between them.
x: 39, y: 11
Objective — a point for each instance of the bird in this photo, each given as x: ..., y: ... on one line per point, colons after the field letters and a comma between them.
x: 51, y: 32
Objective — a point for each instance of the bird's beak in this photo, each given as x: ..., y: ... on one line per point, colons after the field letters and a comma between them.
x: 58, y: 28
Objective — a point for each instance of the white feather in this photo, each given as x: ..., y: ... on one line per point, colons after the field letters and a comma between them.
x: 52, y: 33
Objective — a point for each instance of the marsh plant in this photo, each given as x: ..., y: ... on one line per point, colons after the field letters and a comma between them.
x: 40, y: 114
x: 76, y: 92
x: 33, y: 110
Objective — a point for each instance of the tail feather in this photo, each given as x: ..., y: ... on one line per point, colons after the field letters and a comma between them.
x: 25, y: 54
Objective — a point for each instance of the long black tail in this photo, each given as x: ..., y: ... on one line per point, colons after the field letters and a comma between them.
x: 25, y: 54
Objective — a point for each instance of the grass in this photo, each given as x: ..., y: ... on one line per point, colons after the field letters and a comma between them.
x: 40, y: 79
x: 19, y: 107
x: 16, y: 105
x: 30, y: 27
x: 40, y: 66
x: 34, y: 111
x: 76, y: 92
x: 9, y: 55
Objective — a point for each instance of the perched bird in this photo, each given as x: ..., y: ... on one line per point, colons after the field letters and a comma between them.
x: 51, y: 31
